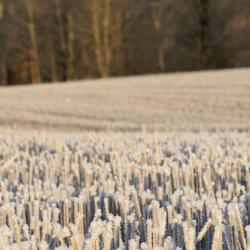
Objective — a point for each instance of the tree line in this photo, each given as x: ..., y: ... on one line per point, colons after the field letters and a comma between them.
x: 61, y: 40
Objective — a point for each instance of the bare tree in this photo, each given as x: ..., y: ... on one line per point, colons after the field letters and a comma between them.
x: 36, y: 75
x: 3, y: 75
x: 100, y: 15
x: 95, y: 15
x: 70, y: 47
x: 157, y: 11
x: 59, y: 15
x: 52, y: 54
x: 59, y: 4
x: 106, y: 39
x: 117, y: 40
x: 205, y: 47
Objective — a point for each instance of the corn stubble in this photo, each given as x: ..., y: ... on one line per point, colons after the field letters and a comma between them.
x: 125, y: 191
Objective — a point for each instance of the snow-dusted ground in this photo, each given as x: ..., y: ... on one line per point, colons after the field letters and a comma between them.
x: 214, y: 100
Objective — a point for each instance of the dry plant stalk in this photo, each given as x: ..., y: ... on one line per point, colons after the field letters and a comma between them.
x: 122, y: 191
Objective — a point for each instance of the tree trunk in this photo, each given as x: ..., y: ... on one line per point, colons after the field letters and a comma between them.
x: 36, y: 75
x: 99, y: 51
x: 156, y: 10
x: 60, y: 21
x: 107, y: 51
x: 3, y: 75
x: 205, y: 35
x: 52, y: 57
x: 117, y: 41
x: 61, y: 31
x: 70, y: 48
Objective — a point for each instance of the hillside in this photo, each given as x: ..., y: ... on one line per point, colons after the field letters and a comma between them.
x: 186, y: 101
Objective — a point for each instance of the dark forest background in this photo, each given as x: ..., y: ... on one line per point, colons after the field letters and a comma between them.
x: 61, y: 40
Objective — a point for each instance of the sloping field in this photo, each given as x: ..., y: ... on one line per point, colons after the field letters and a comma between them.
x: 190, y: 101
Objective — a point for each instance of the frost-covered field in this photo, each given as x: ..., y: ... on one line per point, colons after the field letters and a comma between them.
x: 81, y: 167
x: 125, y: 191
x: 169, y: 102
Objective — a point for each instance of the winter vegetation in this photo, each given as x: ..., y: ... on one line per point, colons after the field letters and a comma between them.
x: 147, y: 191
x: 156, y: 162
